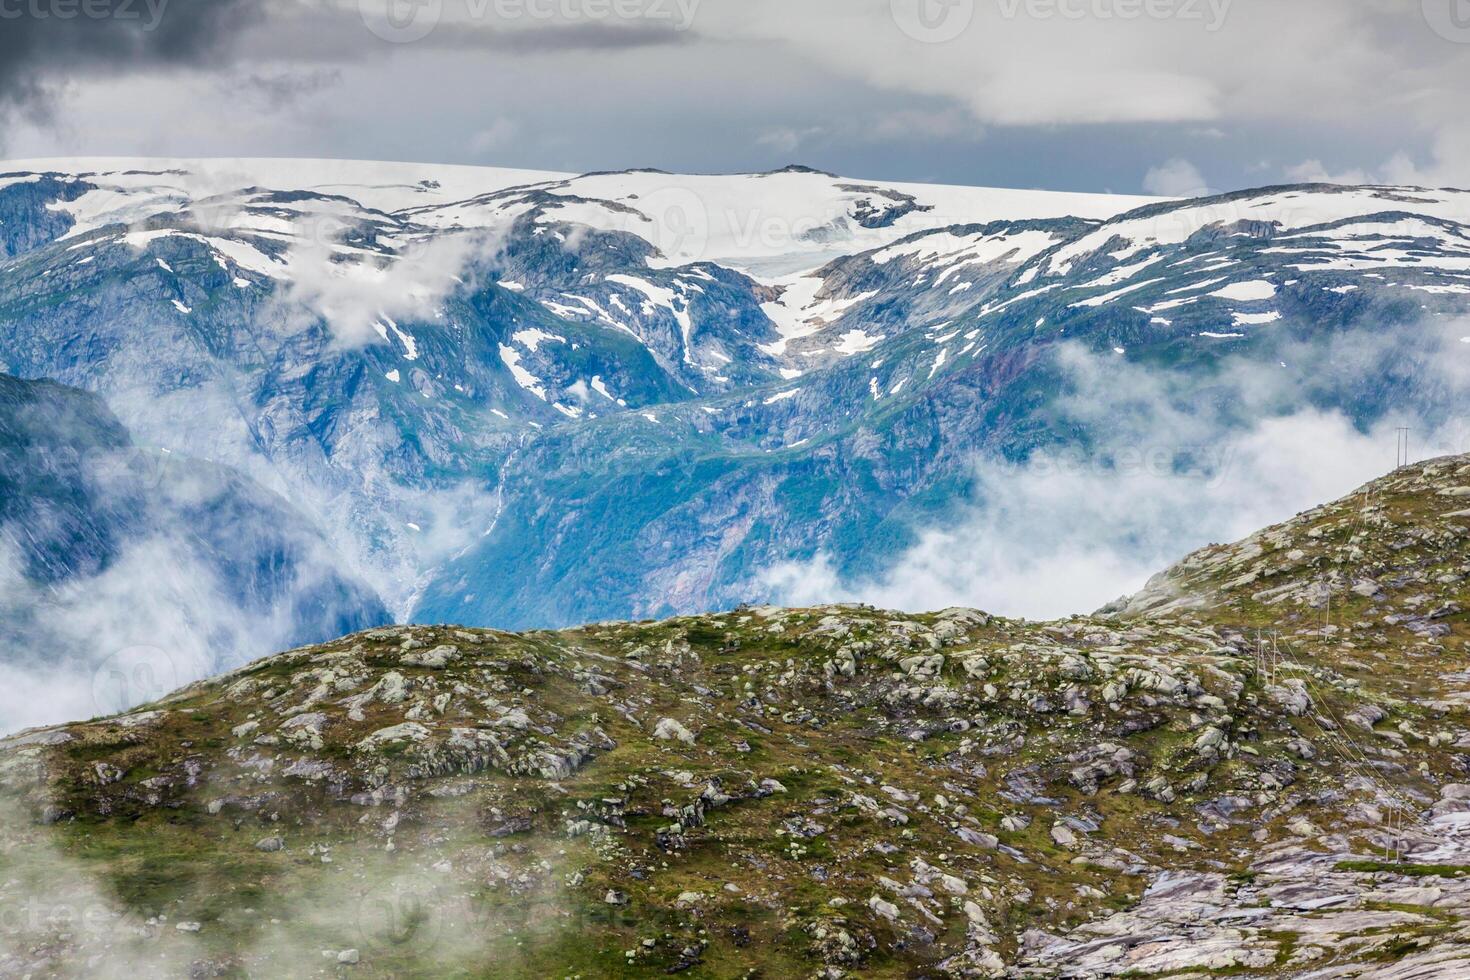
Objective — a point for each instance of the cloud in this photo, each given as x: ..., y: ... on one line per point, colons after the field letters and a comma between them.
x: 906, y: 124
x: 786, y: 139
x: 162, y: 613
x: 369, y: 30
x: 279, y: 88
x: 1397, y: 169
x: 1313, y: 172
x: 495, y: 136
x: 1071, y: 102
x: 354, y: 293
x: 157, y: 614
x: 1068, y: 533
x: 1170, y: 462
x: 1176, y: 178
x: 1447, y: 163
x: 389, y: 906
x: 40, y: 49
x: 1356, y: 69
x: 58, y: 902
x: 128, y: 572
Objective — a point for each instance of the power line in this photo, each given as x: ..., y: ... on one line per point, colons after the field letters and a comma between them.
x: 1401, y: 809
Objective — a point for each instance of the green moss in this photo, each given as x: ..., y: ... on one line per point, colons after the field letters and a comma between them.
x: 1408, y: 870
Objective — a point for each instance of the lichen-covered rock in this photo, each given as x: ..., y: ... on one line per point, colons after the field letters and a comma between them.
x: 670, y: 730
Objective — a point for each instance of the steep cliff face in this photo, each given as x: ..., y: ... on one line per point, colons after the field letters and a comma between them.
x: 1224, y: 774
x: 29, y: 216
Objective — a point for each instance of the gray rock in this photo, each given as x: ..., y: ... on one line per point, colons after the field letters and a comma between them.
x: 884, y: 908
x: 435, y: 659
x: 670, y: 730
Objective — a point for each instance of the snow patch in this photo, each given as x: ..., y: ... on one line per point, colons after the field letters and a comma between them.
x: 533, y: 338
x: 524, y: 378
x: 1255, y: 319
x: 1247, y: 292
x: 857, y: 341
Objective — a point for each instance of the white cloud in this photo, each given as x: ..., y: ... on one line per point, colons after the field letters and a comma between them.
x: 1358, y: 67
x: 1448, y: 163
x: 1397, y: 169
x: 155, y: 619
x: 1069, y: 531
x: 496, y: 136
x: 784, y: 140
x: 1066, y: 535
x: 352, y: 292
x: 1175, y: 178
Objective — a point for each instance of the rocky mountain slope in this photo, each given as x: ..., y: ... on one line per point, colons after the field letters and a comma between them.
x: 525, y: 400
x: 1258, y: 767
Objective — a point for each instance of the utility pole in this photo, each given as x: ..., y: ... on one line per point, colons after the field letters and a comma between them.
x: 1327, y: 607
x: 1401, y: 447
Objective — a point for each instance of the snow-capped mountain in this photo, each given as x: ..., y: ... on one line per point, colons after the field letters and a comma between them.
x: 518, y: 398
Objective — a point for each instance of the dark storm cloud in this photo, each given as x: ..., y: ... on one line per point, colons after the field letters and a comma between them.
x: 45, y: 42
x: 583, y: 36
x: 342, y: 34
x: 1015, y: 94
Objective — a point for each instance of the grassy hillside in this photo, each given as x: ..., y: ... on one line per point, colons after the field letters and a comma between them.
x: 1258, y: 766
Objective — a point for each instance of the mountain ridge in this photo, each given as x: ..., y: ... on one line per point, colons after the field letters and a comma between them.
x: 465, y: 386
x: 1263, y: 784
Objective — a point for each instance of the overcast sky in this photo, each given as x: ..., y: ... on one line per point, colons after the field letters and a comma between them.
x: 1163, y: 96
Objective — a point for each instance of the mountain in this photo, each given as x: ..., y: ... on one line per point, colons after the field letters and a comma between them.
x: 1258, y: 766
x: 128, y: 570
x: 522, y: 399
